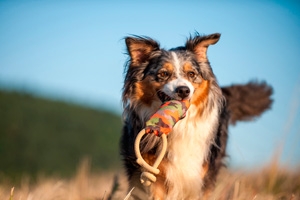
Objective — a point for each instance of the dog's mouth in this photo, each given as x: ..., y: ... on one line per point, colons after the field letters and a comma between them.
x: 163, y: 96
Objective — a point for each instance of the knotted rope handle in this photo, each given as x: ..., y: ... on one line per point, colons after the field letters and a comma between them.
x: 148, y: 176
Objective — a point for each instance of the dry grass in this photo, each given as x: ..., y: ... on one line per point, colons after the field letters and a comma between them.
x: 83, y: 186
x: 269, y: 183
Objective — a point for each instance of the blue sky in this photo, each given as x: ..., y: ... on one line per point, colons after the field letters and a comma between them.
x: 74, y: 50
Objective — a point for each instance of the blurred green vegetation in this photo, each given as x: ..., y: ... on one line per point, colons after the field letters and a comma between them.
x: 40, y: 136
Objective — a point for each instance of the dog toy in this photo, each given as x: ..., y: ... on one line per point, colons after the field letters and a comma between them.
x: 160, y: 124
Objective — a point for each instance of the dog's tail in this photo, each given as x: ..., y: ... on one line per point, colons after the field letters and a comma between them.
x: 247, y: 101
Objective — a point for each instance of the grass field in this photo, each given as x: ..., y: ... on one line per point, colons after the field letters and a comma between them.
x: 41, y: 136
x: 268, y: 183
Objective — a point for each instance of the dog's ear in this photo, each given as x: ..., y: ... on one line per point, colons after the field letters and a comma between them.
x: 140, y: 49
x: 199, y: 45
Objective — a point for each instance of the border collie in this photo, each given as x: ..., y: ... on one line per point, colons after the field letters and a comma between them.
x: 197, y: 144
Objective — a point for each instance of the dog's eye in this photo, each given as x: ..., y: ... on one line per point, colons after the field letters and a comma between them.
x: 163, y: 74
x: 191, y: 74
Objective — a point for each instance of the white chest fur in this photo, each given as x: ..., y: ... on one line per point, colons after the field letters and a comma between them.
x: 188, y: 148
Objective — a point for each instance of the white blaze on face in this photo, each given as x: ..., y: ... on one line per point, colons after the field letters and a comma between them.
x: 176, y: 63
x: 170, y: 87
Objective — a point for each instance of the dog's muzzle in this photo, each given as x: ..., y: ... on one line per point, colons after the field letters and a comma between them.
x: 180, y: 93
x: 163, y: 96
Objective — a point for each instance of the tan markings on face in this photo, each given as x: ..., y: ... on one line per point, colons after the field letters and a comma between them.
x: 145, y: 91
x: 190, y: 72
x: 188, y: 67
x: 200, y: 96
x: 166, y: 71
x: 168, y: 66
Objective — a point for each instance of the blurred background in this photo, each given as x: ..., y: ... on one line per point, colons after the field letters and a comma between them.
x: 61, y: 76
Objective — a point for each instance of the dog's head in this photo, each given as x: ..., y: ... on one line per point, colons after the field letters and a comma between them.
x: 155, y: 75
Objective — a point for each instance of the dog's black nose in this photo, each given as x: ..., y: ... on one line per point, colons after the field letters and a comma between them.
x: 182, y: 91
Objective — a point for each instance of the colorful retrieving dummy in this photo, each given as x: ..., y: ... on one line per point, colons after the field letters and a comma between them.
x: 161, y: 123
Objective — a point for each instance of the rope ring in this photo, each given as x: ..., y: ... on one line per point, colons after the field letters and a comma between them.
x: 148, y: 177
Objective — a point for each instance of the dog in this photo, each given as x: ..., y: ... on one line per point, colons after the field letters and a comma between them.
x: 197, y: 143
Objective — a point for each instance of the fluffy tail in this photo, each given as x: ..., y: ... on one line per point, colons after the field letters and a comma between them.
x: 247, y: 101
